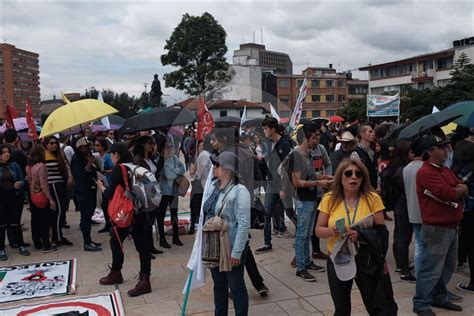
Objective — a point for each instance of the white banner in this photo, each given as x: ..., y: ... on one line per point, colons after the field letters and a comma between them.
x: 34, y: 280
x: 383, y: 105
x: 295, y: 118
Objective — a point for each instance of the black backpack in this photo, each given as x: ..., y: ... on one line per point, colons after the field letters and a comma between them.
x: 389, y: 193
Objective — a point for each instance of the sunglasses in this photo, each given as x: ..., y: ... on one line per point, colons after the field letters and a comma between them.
x: 350, y: 173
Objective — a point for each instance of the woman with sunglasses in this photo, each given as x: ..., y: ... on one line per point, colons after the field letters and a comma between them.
x: 352, y: 198
x: 12, y: 181
x: 57, y: 179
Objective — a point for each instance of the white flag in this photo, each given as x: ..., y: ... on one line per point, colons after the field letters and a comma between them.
x: 274, y: 113
x: 244, y: 116
x: 195, y: 260
x: 295, y: 118
x: 435, y: 109
x: 105, y: 120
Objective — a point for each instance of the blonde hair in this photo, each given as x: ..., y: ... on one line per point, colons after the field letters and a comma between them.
x: 366, y: 190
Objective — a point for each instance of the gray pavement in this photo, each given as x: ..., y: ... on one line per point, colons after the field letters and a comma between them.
x: 288, y: 294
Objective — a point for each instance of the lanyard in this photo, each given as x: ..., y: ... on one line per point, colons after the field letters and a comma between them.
x: 355, y: 211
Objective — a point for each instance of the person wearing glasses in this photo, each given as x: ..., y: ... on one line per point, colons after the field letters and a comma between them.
x: 351, y: 198
x: 110, y: 137
x: 57, y: 178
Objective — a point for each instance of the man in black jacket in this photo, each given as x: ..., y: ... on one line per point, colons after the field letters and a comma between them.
x: 365, y: 153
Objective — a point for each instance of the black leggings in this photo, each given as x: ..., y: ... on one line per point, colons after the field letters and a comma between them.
x: 138, y: 231
x: 172, y: 202
x: 40, y: 222
x: 341, y: 291
x: 58, y: 192
x: 10, y: 216
x: 467, y: 237
x: 195, y: 206
x: 87, y: 203
x: 402, y: 235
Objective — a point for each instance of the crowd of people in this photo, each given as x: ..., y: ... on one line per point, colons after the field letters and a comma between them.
x: 330, y: 181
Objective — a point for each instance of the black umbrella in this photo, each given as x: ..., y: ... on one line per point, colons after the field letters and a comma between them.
x: 227, y: 121
x: 424, y: 124
x: 255, y: 122
x: 157, y: 118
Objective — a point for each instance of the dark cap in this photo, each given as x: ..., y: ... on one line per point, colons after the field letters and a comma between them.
x: 227, y: 160
x: 119, y: 147
x: 429, y: 141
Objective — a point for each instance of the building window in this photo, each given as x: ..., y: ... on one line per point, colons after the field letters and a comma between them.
x: 284, y: 83
x: 284, y: 98
x: 330, y: 98
x: 357, y: 90
x: 329, y: 83
x: 341, y: 98
x: 330, y: 113
x: 284, y: 114
x: 341, y: 83
x: 316, y: 98
x: 223, y: 113
x: 303, y: 113
x: 315, y: 113
x: 315, y: 83
x: 444, y: 63
x: 299, y: 83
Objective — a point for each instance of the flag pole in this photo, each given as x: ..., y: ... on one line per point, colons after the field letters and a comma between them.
x: 188, y: 289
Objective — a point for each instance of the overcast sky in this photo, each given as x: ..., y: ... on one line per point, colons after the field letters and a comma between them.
x: 118, y: 45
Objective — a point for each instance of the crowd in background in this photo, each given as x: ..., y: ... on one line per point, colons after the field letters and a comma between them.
x: 264, y: 178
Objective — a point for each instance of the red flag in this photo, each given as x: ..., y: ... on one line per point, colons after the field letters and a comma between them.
x: 205, y: 119
x: 29, y: 120
x: 10, y: 114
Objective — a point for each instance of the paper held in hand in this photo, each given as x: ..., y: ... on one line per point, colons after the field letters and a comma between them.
x: 366, y: 222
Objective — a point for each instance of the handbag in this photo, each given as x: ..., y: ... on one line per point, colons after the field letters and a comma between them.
x: 38, y: 198
x: 182, y: 183
x: 211, y: 242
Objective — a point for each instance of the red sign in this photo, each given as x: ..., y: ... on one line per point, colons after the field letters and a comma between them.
x: 29, y: 120
x: 10, y: 114
x: 205, y: 119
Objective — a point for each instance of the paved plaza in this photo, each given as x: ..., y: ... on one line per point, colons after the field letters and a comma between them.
x: 288, y: 294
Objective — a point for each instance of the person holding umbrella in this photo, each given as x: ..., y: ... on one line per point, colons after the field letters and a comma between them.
x: 84, y: 172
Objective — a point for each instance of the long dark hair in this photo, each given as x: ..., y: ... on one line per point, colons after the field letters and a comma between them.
x: 400, y: 156
x: 37, y: 154
x: 2, y: 147
x: 58, y: 155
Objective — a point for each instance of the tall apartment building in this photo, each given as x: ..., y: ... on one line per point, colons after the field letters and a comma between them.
x: 19, y: 79
x: 250, y: 62
x: 417, y: 72
x: 327, y: 91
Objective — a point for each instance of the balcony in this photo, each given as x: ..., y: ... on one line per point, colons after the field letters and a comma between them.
x: 423, y: 76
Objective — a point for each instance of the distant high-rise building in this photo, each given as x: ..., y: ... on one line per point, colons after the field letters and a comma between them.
x: 19, y: 79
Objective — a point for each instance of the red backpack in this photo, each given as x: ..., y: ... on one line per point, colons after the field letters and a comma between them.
x: 121, y: 207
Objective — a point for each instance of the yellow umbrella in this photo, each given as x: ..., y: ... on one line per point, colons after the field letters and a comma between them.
x: 74, y: 114
x: 449, y: 129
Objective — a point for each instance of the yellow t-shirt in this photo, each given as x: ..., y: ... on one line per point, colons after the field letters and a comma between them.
x: 339, y: 211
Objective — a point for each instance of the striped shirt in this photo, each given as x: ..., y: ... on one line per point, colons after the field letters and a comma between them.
x: 54, y: 173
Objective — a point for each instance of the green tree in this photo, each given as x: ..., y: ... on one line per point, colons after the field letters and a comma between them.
x: 197, y: 48
x: 353, y: 110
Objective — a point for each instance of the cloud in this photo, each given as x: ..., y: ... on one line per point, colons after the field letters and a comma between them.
x: 118, y: 45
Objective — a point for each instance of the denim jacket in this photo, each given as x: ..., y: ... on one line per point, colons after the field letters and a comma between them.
x: 172, y: 169
x: 236, y: 213
x: 16, y: 173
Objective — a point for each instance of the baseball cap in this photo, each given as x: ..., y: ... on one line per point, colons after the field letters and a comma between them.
x: 82, y: 142
x: 346, y: 137
x: 227, y: 160
x: 343, y: 258
x: 429, y: 141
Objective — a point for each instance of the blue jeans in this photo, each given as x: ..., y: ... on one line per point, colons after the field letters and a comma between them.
x: 418, y: 246
x: 271, y: 200
x: 235, y: 281
x: 305, y: 218
x: 437, y: 264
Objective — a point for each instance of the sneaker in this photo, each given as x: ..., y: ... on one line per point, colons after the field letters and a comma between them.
x: 409, y: 277
x: 3, y: 255
x: 262, y: 290
x: 263, y: 249
x: 463, y: 269
x: 465, y: 288
x: 98, y: 244
x: 50, y: 249
x: 427, y: 312
x: 305, y: 276
x: 315, y: 267
x: 398, y: 270
x: 65, y: 242
x: 92, y: 247
x: 320, y: 255
x: 23, y: 251
x: 285, y: 234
